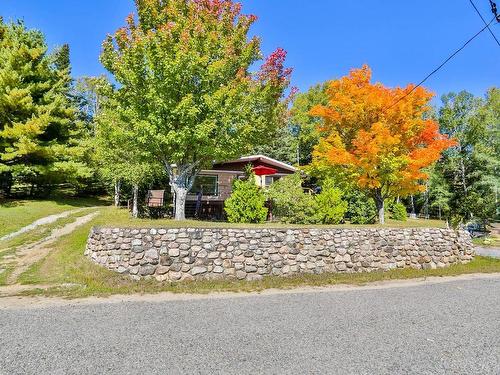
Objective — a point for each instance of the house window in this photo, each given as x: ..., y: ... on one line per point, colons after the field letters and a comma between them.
x: 206, y: 185
x: 270, y: 179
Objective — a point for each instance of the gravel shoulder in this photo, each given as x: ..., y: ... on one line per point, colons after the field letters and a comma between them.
x: 38, y: 302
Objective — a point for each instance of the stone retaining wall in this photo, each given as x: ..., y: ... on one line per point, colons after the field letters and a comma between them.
x: 186, y: 254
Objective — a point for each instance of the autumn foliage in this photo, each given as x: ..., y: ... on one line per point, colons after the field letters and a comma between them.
x: 378, y: 137
x: 188, y: 86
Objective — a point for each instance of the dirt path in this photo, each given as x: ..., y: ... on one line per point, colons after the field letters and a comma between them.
x: 43, y: 221
x: 32, y: 253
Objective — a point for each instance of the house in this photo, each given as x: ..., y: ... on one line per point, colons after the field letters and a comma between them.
x: 213, y: 186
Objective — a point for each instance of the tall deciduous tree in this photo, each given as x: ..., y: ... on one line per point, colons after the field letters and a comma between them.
x: 471, y: 168
x: 118, y: 157
x: 185, y: 83
x: 306, y: 126
x: 377, y: 139
x: 37, y: 119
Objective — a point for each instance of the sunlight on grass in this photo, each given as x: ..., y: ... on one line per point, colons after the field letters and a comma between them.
x: 67, y: 265
x: 490, y: 241
x: 15, y: 214
x: 121, y: 218
x: 40, y: 232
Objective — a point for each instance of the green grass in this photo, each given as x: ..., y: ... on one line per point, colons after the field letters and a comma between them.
x: 39, y: 232
x: 5, y: 274
x: 10, y: 247
x: 15, y: 214
x: 489, y: 241
x: 67, y: 265
x: 121, y: 218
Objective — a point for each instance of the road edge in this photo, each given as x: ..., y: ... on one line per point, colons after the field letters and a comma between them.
x: 44, y: 302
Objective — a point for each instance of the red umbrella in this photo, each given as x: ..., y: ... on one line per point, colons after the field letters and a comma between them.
x: 264, y: 171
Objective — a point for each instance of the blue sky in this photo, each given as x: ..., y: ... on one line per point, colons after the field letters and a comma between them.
x: 401, y: 40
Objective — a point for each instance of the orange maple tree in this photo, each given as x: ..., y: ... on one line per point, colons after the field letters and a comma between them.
x: 378, y: 137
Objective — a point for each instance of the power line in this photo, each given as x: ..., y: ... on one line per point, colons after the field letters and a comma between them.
x: 479, y: 13
x: 442, y: 64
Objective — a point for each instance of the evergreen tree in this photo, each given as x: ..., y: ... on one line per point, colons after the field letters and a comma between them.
x: 282, y: 145
x: 37, y: 119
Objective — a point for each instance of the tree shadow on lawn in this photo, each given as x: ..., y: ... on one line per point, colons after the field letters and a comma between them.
x: 59, y: 199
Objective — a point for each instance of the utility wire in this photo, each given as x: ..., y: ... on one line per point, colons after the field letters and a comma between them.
x: 489, y: 29
x: 442, y: 64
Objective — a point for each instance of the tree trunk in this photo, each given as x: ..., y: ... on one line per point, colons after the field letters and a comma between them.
x: 413, y: 214
x: 117, y: 192
x: 426, y: 201
x: 135, y: 209
x: 181, y: 179
x: 180, y: 203
x: 379, y: 203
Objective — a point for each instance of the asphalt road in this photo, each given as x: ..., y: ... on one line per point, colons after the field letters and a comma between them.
x: 444, y: 328
x: 488, y: 251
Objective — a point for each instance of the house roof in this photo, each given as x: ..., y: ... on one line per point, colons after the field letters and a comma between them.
x: 261, y: 158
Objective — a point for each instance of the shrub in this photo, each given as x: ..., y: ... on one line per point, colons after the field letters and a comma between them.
x: 329, y: 204
x: 361, y: 208
x: 398, y: 212
x: 246, y: 203
x: 290, y: 204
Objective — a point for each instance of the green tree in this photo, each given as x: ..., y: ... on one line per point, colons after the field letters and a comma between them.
x: 183, y: 69
x: 290, y: 204
x: 397, y: 211
x: 439, y: 194
x: 361, y: 208
x: 305, y: 126
x: 117, y: 156
x: 38, y: 122
x: 330, y: 206
x: 471, y: 168
x: 294, y: 143
x: 246, y: 203
x: 282, y: 145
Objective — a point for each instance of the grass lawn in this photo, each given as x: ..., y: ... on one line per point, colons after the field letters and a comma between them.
x: 67, y: 265
x: 39, y: 232
x: 492, y: 240
x: 15, y: 214
x: 9, y: 247
x: 4, y: 274
x: 121, y: 218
